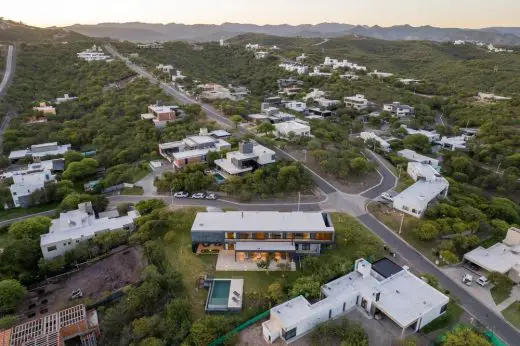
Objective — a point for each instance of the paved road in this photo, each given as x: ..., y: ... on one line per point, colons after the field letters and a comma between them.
x: 210, y: 111
x: 43, y: 213
x: 485, y: 315
x: 388, y: 182
x: 10, y: 67
x: 439, y: 119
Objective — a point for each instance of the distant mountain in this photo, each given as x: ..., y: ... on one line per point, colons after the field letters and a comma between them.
x: 13, y: 31
x: 143, y: 32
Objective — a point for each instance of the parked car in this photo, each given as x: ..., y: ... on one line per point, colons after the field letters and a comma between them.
x: 482, y: 281
x: 76, y: 294
x: 199, y: 195
x: 181, y: 194
x: 467, y: 279
x: 211, y: 196
x: 386, y: 196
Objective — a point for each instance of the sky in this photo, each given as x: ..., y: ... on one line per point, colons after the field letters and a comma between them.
x: 442, y: 13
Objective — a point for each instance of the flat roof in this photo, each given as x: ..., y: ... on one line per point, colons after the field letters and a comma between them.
x: 292, y: 125
x: 163, y: 109
x: 220, y: 133
x: 386, y: 267
x: 424, y: 170
x: 230, y: 168
x: 249, y: 221
x: 499, y: 257
x: 421, y: 193
x: 190, y: 153
x: 264, y: 246
x: 414, y: 156
x: 198, y: 140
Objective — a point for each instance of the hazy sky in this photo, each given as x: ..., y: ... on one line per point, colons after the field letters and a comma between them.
x: 444, y: 13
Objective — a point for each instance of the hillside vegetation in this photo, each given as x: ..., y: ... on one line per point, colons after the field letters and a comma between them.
x: 11, y: 31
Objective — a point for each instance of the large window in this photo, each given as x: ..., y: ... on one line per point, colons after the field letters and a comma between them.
x: 287, y: 335
x: 51, y: 248
x: 444, y: 308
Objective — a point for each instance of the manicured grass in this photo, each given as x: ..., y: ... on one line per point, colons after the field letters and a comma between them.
x: 19, y: 212
x: 500, y: 294
x: 140, y: 174
x: 512, y: 314
x: 136, y: 190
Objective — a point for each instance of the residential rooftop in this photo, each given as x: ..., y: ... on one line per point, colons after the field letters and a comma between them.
x: 421, y: 193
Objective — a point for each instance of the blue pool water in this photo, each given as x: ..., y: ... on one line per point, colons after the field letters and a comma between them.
x: 219, y: 178
x: 220, y: 292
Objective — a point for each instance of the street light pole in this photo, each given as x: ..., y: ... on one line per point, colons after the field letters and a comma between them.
x: 299, y: 197
x: 401, y: 226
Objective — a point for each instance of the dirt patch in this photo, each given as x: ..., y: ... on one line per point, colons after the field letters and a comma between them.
x: 353, y: 185
x: 111, y: 273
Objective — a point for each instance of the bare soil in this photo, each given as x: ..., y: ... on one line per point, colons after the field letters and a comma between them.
x: 111, y: 273
x: 352, y: 185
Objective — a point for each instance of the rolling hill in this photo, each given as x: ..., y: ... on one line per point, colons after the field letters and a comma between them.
x: 18, y: 32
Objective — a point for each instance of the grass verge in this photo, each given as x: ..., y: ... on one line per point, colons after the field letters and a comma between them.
x: 133, y: 191
x: 499, y: 294
x: 19, y: 212
x: 512, y: 314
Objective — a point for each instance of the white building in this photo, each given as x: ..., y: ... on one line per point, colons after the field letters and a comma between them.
x: 317, y: 73
x: 301, y: 58
x: 164, y: 68
x: 296, y: 106
x: 491, y: 97
x: 503, y: 257
x: 250, y: 156
x: 349, y: 76
x: 299, y: 69
x: 367, y: 136
x: 80, y: 225
x: 26, y: 184
x: 251, y: 46
x: 357, y: 101
x: 261, y: 55
x: 416, y: 199
x: 298, y: 128
x: 408, y: 81
x: 453, y: 143
x: 38, y: 151
x: 379, y: 74
x: 93, y: 54
x: 419, y: 171
x: 336, y: 64
x: 398, y: 110
x: 314, y: 94
x: 413, y: 156
x: 65, y: 98
x: 432, y: 135
x: 380, y: 288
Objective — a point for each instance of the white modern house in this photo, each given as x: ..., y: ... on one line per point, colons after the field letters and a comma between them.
x: 93, y: 54
x: 349, y: 76
x: 367, y: 136
x: 336, y: 64
x: 250, y: 156
x: 164, y: 68
x: 192, y: 149
x: 491, y: 97
x: 413, y: 156
x: 39, y: 151
x: 502, y: 257
x: 408, y: 81
x: 261, y: 54
x: 453, y: 143
x: 314, y: 94
x: 297, y: 68
x: 432, y: 135
x: 301, y: 58
x: 326, y: 103
x: 379, y: 74
x: 252, y: 46
x: 317, y: 73
x: 358, y: 102
x: 379, y: 289
x: 177, y: 76
x: 295, y: 127
x: 65, y: 98
x: 80, y: 225
x: 398, y: 110
x: 26, y: 184
x: 416, y: 199
x: 296, y: 106
x: 418, y: 171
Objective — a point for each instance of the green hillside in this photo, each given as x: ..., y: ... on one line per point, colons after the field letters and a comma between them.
x: 18, y: 32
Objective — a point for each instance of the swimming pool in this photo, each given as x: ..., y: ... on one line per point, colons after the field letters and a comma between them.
x: 225, y: 295
x: 219, y: 178
x: 220, y: 293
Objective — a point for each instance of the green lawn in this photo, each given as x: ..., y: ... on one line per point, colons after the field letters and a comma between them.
x: 136, y: 190
x: 140, y: 174
x: 512, y: 314
x: 499, y: 295
x: 19, y: 212
x: 447, y: 320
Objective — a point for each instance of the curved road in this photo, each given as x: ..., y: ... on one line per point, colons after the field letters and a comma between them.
x: 9, y: 69
x: 355, y: 205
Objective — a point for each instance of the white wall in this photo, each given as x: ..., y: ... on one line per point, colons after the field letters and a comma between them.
x: 432, y: 314
x: 61, y: 247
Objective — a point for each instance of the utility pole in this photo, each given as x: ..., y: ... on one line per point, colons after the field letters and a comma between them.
x: 305, y: 153
x: 299, y: 197
x: 401, y: 226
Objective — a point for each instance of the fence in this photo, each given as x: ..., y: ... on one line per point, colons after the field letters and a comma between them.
x: 238, y: 329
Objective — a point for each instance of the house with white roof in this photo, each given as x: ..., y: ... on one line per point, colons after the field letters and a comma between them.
x: 25, y: 184
x: 453, y: 143
x: 314, y: 94
x: 45, y: 109
x: 381, y: 288
x: 417, y: 171
x: 408, y: 81
x: 317, y: 73
x: 164, y: 68
x: 491, y: 97
x: 39, y: 151
x: 161, y: 115
x: 368, y: 136
x: 261, y: 54
x: 77, y: 226
x: 192, y: 149
x: 94, y: 54
x: 349, y: 76
x: 413, y: 156
x: 177, y: 76
x: 65, y: 98
x: 298, y: 68
x: 502, y: 257
x: 398, y: 110
x: 296, y: 106
x: 358, y: 102
x: 252, y: 46
x: 432, y: 135
x: 326, y: 103
x: 297, y: 128
x: 301, y: 58
x: 250, y: 235
x: 416, y: 199
x: 379, y: 74
x: 249, y: 157
x: 336, y: 64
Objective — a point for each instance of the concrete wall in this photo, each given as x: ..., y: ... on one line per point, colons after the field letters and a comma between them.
x: 431, y: 315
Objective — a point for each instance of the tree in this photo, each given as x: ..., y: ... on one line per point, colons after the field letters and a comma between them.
x: 99, y: 202
x: 236, y: 119
x: 208, y: 328
x: 178, y: 320
x: 152, y: 341
x: 31, y: 228
x: 428, y: 231
x: 72, y: 156
x: 306, y: 286
x: 149, y: 205
x: 81, y: 169
x: 275, y: 293
x: 501, y: 281
x: 359, y: 165
x: 417, y: 142
x: 265, y: 127
x: 211, y: 157
x: 8, y: 321
x: 11, y: 294
x: 464, y: 336
x: 449, y: 257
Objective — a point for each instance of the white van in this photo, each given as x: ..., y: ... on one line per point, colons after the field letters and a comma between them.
x: 482, y: 281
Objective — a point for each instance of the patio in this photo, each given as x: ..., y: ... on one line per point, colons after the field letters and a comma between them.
x: 226, y: 262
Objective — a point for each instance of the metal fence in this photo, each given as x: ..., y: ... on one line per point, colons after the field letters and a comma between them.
x: 238, y: 329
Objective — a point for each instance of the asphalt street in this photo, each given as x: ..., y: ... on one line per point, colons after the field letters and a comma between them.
x: 9, y: 69
x: 388, y: 182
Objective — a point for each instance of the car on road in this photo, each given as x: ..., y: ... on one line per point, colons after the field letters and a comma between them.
x: 199, y: 195
x: 386, y: 196
x: 467, y: 279
x: 211, y: 196
x: 482, y: 281
x: 181, y: 194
